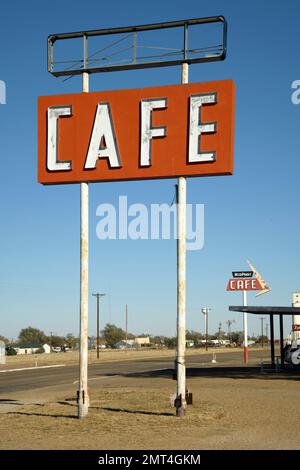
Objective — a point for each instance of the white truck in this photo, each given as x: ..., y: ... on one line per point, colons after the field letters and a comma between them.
x: 292, y: 353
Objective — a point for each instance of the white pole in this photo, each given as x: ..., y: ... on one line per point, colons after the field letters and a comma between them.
x: 206, y: 326
x: 245, y: 328
x: 181, y: 285
x: 83, y: 396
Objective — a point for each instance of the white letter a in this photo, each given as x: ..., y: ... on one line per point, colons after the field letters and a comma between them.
x: 103, y: 143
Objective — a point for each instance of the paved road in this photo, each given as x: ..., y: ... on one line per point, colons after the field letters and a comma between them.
x: 197, y: 365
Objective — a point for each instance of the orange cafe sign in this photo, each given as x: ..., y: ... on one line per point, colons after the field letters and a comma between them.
x: 159, y: 132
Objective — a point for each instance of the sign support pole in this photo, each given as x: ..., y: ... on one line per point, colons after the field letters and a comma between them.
x: 83, y: 395
x: 181, y: 285
x: 245, y: 328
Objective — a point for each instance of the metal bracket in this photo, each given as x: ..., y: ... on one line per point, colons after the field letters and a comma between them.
x: 183, y: 55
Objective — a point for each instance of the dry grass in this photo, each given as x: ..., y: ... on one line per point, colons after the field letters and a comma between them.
x: 118, y: 419
x: 135, y: 413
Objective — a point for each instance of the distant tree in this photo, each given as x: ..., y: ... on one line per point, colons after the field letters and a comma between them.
x: 237, y: 337
x: 171, y: 342
x: 264, y: 338
x: 220, y: 334
x: 71, y: 341
x: 56, y: 341
x: 112, y: 334
x: 252, y: 338
x: 10, y: 351
x: 194, y: 336
x: 159, y: 340
x: 2, y: 338
x: 32, y: 335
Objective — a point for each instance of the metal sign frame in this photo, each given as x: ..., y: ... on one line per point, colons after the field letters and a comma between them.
x: 207, y: 55
x: 210, y: 54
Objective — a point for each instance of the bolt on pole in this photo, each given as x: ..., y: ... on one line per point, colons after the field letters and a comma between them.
x: 181, y: 285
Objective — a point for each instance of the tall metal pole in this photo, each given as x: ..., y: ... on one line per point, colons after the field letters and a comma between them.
x: 205, y: 327
x: 126, y: 324
x: 245, y: 328
x: 83, y: 395
x: 205, y: 311
x: 181, y: 284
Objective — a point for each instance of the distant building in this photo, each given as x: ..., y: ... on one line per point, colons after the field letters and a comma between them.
x: 31, y: 348
x: 47, y: 348
x: 142, y: 340
x: 93, y: 343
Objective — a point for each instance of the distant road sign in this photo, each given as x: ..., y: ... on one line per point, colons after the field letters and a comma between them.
x: 244, y: 274
x: 243, y: 284
x: 264, y: 286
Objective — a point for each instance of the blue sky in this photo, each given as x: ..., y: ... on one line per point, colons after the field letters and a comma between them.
x: 251, y: 215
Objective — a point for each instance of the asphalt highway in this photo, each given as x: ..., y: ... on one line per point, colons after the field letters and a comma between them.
x: 31, y: 379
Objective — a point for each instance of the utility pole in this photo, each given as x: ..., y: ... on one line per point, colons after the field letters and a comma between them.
x: 220, y: 328
x: 229, y: 323
x: 126, y: 324
x: 262, y: 331
x: 267, y: 331
x: 98, y: 296
x: 205, y: 311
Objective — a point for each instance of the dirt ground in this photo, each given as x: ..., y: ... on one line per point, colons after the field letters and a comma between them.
x: 256, y: 412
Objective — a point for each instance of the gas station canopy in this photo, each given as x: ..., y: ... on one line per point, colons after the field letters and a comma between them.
x: 271, y: 311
